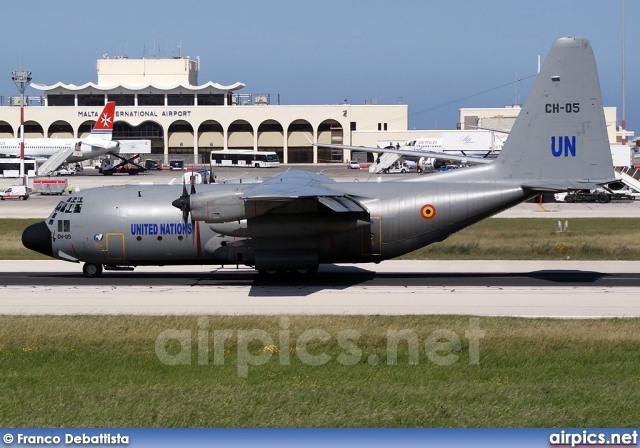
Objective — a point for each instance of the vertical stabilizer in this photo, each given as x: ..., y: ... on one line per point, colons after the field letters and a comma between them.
x: 559, y: 139
x: 103, y: 128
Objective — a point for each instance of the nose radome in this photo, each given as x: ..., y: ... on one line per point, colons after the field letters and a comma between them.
x: 37, y: 237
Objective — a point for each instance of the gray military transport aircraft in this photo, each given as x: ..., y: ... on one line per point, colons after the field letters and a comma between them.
x: 296, y: 220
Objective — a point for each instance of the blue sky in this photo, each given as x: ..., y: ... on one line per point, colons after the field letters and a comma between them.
x: 434, y: 55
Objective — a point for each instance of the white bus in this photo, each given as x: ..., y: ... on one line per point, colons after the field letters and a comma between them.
x: 10, y: 167
x: 245, y: 158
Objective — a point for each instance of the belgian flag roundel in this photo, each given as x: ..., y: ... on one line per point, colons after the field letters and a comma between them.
x: 428, y: 211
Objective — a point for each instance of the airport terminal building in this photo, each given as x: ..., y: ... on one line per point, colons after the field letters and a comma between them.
x: 160, y: 99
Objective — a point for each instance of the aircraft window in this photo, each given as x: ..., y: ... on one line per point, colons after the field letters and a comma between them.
x: 67, y: 225
x: 60, y: 206
x: 59, y: 225
x: 73, y: 205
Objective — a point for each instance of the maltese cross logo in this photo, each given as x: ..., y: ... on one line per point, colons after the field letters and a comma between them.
x: 105, y: 120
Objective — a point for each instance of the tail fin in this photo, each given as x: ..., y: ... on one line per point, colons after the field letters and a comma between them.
x: 103, y: 128
x: 559, y: 140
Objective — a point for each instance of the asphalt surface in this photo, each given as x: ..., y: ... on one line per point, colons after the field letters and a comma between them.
x: 532, y: 289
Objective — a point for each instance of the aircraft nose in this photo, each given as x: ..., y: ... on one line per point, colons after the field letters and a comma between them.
x: 37, y: 237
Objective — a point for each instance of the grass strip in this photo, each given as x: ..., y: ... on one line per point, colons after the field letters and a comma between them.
x: 105, y: 371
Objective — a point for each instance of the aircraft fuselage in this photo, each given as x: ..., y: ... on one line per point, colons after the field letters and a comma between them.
x: 137, y: 225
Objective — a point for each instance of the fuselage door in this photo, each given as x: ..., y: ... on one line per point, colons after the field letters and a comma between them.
x: 115, y: 246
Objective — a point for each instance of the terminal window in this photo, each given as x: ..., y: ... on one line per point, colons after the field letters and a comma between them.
x: 60, y: 100
x: 150, y: 100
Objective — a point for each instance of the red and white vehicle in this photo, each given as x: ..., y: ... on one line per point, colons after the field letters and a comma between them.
x: 15, y: 192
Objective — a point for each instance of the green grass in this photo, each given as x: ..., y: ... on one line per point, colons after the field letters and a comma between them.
x: 103, y: 371
x: 539, y: 239
x: 491, y: 239
x: 11, y: 247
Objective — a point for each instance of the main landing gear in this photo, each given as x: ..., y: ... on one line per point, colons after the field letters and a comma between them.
x: 280, y: 273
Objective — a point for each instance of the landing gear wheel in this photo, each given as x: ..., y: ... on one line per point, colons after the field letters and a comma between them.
x: 271, y: 273
x: 91, y: 270
x: 304, y: 272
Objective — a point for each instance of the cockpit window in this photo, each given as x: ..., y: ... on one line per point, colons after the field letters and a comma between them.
x: 73, y: 205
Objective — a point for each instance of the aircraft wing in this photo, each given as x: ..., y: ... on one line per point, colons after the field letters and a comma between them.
x: 503, y: 131
x: 290, y: 185
x: 256, y: 200
x: 428, y: 154
x: 293, y: 185
x: 104, y: 144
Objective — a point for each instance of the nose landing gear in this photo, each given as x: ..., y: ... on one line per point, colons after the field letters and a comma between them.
x: 91, y: 270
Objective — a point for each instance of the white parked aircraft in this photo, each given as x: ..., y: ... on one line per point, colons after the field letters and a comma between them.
x: 96, y: 144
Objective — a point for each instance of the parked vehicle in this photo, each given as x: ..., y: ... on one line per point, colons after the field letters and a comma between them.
x: 398, y: 168
x: 15, y: 192
x: 600, y: 195
x: 354, y: 165
x: 245, y: 158
x: 64, y: 171
x: 50, y: 186
x: 109, y: 167
x: 151, y: 165
x: 176, y: 164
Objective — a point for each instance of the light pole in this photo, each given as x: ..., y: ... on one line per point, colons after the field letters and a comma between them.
x: 22, y: 78
x: 624, y: 112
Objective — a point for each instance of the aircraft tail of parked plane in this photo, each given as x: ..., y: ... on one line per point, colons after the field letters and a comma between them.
x: 103, y: 129
x: 97, y: 143
x: 297, y: 220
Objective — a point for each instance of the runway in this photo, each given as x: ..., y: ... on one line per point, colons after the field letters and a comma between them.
x: 563, y: 289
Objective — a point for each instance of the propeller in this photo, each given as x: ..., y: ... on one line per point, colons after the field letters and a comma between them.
x: 183, y: 202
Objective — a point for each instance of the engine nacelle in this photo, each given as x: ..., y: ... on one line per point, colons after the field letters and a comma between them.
x: 430, y: 164
x: 226, y: 206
